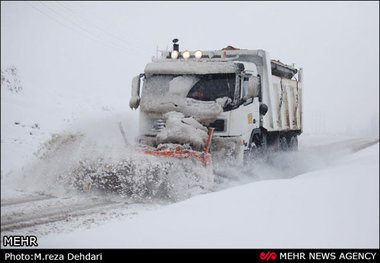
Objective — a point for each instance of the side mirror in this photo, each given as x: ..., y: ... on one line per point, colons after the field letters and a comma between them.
x: 263, y: 109
x: 134, y: 102
x: 253, y: 88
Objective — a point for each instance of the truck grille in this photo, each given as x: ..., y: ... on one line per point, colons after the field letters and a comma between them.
x: 158, y: 125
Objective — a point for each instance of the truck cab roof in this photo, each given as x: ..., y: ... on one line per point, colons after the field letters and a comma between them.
x: 217, y: 61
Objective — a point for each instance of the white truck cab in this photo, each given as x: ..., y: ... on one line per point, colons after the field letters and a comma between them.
x: 252, y: 103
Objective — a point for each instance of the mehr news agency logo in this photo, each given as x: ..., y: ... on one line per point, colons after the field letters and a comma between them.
x: 319, y: 256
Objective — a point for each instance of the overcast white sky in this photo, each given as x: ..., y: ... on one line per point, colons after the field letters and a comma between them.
x: 99, y: 46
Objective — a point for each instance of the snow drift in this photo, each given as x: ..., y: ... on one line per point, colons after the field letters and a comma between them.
x: 69, y: 162
x: 334, y: 207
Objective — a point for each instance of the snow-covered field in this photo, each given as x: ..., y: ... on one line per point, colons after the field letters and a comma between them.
x: 64, y: 95
x: 337, y: 206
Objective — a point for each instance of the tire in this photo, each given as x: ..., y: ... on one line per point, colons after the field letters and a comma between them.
x: 252, y: 151
x: 257, y: 147
x: 284, y: 144
x: 293, y: 143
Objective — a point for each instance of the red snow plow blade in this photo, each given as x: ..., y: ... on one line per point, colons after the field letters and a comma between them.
x: 204, y: 157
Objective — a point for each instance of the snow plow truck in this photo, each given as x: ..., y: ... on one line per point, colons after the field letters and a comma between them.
x: 230, y: 105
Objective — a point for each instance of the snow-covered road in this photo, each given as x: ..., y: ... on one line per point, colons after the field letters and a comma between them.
x: 52, y: 218
x: 337, y: 206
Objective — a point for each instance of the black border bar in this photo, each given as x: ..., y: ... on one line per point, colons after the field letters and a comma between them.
x: 178, y: 255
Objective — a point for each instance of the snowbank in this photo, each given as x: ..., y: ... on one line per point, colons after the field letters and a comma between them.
x: 334, y: 207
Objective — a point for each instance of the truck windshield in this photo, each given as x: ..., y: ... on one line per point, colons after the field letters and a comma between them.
x: 213, y: 86
x: 200, y: 87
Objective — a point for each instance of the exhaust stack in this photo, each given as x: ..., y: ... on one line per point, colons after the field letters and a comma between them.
x: 175, y: 45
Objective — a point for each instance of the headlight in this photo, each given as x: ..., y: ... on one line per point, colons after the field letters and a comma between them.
x: 186, y: 54
x: 174, y: 54
x: 198, y: 54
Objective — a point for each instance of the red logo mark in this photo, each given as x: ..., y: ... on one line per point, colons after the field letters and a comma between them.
x: 268, y: 255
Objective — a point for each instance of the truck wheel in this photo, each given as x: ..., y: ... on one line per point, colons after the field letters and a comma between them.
x: 273, y: 142
x: 293, y: 143
x: 284, y: 144
x: 257, y: 147
x: 252, y: 151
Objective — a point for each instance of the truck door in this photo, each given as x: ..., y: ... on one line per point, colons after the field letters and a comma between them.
x: 246, y: 117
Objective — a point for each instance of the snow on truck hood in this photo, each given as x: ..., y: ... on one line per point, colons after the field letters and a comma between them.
x: 190, y: 67
x: 205, y: 111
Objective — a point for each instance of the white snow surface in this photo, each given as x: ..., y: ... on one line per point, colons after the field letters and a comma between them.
x: 333, y: 207
x: 66, y: 83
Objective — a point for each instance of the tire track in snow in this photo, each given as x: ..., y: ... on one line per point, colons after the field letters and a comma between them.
x: 16, y: 216
x: 17, y: 201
